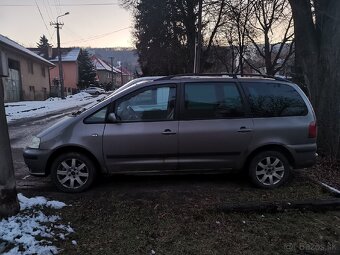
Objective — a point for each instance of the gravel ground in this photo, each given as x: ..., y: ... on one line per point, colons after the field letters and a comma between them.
x: 179, y: 215
x: 327, y: 171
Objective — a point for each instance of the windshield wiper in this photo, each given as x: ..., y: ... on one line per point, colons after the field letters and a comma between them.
x: 79, y: 111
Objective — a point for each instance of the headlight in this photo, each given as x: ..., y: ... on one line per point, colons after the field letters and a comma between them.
x: 35, y: 143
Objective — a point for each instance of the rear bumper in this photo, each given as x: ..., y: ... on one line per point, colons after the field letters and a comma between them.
x: 304, y: 155
x: 36, y: 161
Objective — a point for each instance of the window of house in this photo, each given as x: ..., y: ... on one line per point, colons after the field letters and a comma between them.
x: 274, y: 100
x: 154, y: 104
x: 212, y: 101
x: 30, y: 67
x: 32, y: 89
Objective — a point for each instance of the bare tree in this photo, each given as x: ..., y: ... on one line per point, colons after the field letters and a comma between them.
x: 214, y: 11
x: 271, y: 34
x: 230, y: 44
x: 8, y: 195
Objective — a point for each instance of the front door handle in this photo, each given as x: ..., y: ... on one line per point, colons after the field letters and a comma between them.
x: 168, y: 132
x: 244, y: 130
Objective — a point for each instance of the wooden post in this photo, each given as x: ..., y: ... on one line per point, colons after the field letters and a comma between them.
x: 9, y: 204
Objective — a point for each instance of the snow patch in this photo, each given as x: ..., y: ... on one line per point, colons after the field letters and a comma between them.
x: 31, y: 231
x: 28, y: 109
x: 26, y: 203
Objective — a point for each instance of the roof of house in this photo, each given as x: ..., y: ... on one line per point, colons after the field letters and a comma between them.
x: 124, y: 70
x: 12, y: 44
x: 67, y: 54
x: 101, y: 65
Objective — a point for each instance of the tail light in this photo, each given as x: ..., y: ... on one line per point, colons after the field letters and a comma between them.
x: 312, y: 130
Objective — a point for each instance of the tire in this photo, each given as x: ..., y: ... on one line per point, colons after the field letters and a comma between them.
x: 269, y: 169
x: 73, y: 172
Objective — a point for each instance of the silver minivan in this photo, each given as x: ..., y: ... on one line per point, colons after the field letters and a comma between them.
x: 182, y: 124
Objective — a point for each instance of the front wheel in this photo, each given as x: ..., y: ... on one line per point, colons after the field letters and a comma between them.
x: 73, y: 172
x: 269, y: 169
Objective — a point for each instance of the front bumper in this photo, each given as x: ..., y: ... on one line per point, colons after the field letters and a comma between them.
x: 36, y: 161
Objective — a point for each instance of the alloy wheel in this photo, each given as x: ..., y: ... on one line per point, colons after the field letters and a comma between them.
x: 270, y: 170
x: 72, y: 173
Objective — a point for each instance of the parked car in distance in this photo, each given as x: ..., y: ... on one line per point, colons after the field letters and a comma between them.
x: 94, y: 90
x: 182, y: 124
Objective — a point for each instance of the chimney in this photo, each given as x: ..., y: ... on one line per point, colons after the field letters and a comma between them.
x: 49, y: 52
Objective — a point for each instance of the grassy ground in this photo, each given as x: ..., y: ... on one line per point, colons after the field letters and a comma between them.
x: 180, y: 215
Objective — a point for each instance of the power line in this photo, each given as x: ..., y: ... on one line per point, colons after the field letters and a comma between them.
x: 96, y: 37
x: 59, y: 4
x: 45, y: 6
x: 59, y: 8
x: 42, y: 17
x: 55, y: 7
x: 89, y: 4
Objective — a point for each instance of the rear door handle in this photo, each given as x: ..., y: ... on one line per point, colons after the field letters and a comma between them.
x: 168, y: 132
x: 244, y: 130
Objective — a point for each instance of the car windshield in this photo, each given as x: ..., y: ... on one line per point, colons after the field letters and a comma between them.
x: 98, y: 101
x: 135, y: 82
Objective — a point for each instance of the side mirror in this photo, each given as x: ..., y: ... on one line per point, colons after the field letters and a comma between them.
x: 112, y: 118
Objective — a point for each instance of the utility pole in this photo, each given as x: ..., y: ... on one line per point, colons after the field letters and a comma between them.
x: 112, y: 73
x: 121, y: 72
x: 198, y: 44
x: 61, y: 74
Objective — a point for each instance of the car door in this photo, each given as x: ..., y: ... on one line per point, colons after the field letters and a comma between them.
x: 214, y: 130
x: 145, y: 137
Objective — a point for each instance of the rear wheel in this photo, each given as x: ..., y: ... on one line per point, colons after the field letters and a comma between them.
x: 73, y: 172
x: 269, y: 169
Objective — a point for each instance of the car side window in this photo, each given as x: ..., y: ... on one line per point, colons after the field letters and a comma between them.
x: 212, y: 101
x: 153, y: 104
x: 97, y: 117
x: 274, y: 100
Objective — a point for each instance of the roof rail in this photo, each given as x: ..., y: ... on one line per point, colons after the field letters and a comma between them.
x: 264, y: 76
x: 197, y: 74
x: 232, y: 75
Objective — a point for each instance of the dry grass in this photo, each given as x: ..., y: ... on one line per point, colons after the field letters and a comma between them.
x: 179, y: 215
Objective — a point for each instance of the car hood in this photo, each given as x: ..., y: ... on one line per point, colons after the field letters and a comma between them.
x: 57, y: 127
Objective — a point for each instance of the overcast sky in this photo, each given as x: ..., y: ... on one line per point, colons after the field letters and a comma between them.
x: 94, y: 23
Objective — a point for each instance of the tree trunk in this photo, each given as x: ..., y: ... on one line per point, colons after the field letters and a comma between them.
x: 318, y: 52
x: 9, y: 204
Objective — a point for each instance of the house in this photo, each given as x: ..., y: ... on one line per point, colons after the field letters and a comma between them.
x: 69, y: 60
x: 105, y: 71
x: 28, y: 73
x: 124, y: 76
x: 106, y: 74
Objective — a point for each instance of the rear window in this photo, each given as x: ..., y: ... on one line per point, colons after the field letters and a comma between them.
x: 274, y: 100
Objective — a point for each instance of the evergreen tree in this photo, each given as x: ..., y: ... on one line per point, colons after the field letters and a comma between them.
x: 43, y: 46
x: 164, y: 36
x: 86, y: 70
